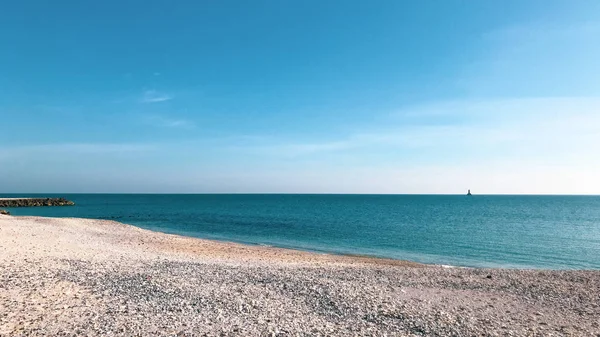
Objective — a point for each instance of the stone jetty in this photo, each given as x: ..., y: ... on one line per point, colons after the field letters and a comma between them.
x: 34, y: 202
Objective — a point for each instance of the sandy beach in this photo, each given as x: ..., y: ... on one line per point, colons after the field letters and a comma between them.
x: 66, y: 277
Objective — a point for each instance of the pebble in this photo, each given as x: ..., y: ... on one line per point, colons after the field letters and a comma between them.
x: 118, y: 288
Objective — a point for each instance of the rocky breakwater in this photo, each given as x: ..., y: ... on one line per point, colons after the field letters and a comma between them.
x: 35, y: 202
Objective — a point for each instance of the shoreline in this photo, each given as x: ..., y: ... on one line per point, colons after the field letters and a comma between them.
x: 334, y: 256
x: 301, y: 223
x: 345, y: 257
x: 101, y: 277
x: 359, y: 258
x: 191, y: 246
x: 362, y: 257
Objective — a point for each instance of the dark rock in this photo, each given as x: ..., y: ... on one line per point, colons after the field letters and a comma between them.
x: 4, y: 212
x: 35, y: 202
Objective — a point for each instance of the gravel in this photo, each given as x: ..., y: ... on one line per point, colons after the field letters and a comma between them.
x: 68, y: 277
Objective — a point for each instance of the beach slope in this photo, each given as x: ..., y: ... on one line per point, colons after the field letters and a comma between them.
x: 93, y: 277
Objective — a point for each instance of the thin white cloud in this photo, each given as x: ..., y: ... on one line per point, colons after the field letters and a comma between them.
x: 24, y: 151
x: 153, y: 96
x: 89, y: 147
x: 178, y: 123
x: 166, y: 122
x: 545, y: 128
x: 295, y: 149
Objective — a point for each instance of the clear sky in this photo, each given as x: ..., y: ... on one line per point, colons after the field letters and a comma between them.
x: 300, y: 96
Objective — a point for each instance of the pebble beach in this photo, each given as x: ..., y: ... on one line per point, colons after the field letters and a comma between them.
x: 83, y: 277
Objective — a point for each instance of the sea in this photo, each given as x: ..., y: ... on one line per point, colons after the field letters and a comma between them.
x: 525, y: 232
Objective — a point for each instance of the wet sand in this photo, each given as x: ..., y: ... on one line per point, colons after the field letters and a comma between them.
x: 93, y: 277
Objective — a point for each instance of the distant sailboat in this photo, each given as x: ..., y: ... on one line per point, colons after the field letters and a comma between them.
x: 469, y: 194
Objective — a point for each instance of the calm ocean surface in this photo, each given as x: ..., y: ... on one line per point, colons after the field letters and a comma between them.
x: 557, y: 232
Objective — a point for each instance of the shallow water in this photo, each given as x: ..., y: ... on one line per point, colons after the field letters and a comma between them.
x: 556, y: 232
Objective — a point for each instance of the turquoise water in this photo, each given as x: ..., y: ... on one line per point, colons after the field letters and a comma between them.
x: 556, y: 232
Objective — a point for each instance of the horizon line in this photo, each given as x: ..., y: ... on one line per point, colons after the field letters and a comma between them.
x: 303, y: 193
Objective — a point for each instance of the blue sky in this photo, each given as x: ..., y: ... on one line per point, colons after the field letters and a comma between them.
x: 300, y: 96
